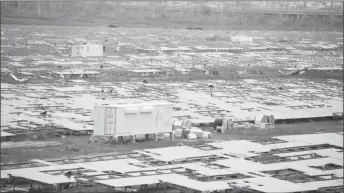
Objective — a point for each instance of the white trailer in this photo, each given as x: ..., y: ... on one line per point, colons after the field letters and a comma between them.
x: 132, y: 119
x: 87, y: 50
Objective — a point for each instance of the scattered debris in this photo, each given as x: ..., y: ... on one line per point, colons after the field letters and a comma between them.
x: 113, y: 26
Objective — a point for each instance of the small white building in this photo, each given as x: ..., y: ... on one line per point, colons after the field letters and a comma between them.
x: 242, y: 39
x: 87, y: 50
x: 182, y: 71
x: 132, y: 119
x: 125, y: 48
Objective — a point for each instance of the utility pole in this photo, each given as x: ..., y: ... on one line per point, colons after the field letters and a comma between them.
x: 222, y: 9
x: 48, y: 4
x: 82, y: 7
x: 39, y: 8
x: 154, y: 6
x: 119, y: 7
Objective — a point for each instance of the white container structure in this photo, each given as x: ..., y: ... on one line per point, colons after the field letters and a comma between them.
x: 87, y: 50
x: 132, y: 119
x: 242, y: 39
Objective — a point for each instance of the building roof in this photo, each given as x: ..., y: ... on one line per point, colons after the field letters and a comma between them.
x: 131, y: 181
x: 5, y: 134
x: 134, y: 105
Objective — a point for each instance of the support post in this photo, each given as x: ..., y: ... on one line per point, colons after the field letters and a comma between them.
x: 332, y: 19
x: 112, y: 189
x: 119, y: 7
x: 58, y: 187
x: 302, y: 17
x: 113, y: 138
x: 155, y: 136
x: 153, y: 13
x: 14, y: 184
x: 133, y: 138
x: 82, y: 7
x: 49, y: 11
x: 92, y: 139
x: 222, y: 9
x: 172, y: 136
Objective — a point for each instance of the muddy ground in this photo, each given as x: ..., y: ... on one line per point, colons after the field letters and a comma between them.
x: 71, y: 146
x: 82, y: 148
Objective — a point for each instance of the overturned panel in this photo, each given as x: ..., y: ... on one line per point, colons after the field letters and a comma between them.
x: 184, y: 152
x: 175, y: 180
x: 131, y: 181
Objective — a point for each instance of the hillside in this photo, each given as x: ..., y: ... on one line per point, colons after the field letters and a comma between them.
x: 95, y: 13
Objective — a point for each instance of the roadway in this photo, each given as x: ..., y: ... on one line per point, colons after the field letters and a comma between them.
x: 320, y: 1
